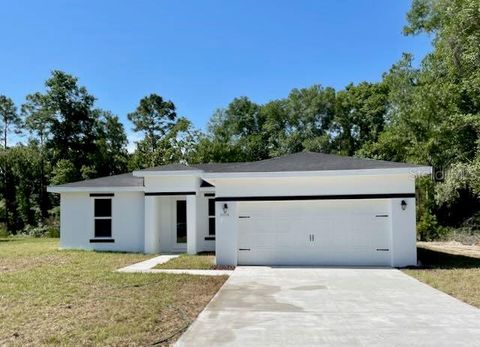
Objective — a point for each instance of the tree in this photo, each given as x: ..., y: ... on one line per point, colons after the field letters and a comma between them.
x: 111, y: 141
x: 311, y: 112
x: 64, y: 118
x: 63, y: 172
x: 434, y: 110
x: 178, y: 145
x: 9, y: 119
x: 235, y: 133
x: 37, y: 117
x: 360, y: 116
x: 154, y: 116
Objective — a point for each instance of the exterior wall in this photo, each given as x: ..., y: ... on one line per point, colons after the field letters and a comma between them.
x: 278, y: 186
x: 171, y: 183
x: 403, y: 229
x: 77, y: 222
x: 227, y: 233
x: 148, y: 223
x: 404, y: 236
x: 151, y: 231
x: 75, y: 218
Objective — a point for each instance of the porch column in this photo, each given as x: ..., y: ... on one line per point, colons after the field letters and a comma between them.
x: 152, y: 242
x: 192, y: 215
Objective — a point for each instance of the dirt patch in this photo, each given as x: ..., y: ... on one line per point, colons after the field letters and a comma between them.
x: 28, y: 263
x: 453, y: 247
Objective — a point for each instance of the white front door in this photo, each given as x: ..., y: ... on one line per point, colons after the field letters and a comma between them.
x: 324, y: 232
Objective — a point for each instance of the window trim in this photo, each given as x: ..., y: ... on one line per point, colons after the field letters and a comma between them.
x: 97, y: 239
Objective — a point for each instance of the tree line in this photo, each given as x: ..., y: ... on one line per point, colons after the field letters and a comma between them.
x: 426, y: 114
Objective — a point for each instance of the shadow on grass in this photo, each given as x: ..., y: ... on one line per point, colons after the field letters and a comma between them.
x: 12, y: 239
x: 430, y: 259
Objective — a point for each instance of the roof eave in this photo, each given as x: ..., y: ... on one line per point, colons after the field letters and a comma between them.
x: 60, y: 189
x: 167, y: 173
x: 414, y: 171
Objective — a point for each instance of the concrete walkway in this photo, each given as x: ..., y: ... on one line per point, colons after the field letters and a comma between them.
x: 263, y: 306
x: 148, y: 265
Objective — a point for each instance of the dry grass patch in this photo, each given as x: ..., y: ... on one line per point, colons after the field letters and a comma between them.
x: 454, y: 274
x: 186, y: 261
x: 75, y: 298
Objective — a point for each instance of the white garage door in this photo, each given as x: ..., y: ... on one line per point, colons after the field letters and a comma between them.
x: 326, y: 232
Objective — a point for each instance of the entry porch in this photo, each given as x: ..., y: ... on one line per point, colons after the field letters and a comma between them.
x: 179, y: 222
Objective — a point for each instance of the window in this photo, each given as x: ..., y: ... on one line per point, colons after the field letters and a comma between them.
x: 103, y: 217
x: 211, y: 217
x: 181, y: 221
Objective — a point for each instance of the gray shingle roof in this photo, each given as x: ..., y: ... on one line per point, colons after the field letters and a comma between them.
x: 123, y: 180
x: 302, y: 161
x: 171, y: 167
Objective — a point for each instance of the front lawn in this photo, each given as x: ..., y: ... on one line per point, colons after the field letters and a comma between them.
x: 454, y: 274
x: 186, y: 261
x: 48, y: 296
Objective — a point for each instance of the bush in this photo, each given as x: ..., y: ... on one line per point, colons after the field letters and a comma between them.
x: 428, y: 228
x: 41, y: 230
x: 3, y: 231
x: 464, y: 235
x: 53, y: 231
x: 35, y: 231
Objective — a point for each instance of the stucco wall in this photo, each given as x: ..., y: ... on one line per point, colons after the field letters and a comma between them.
x: 402, y: 222
x: 171, y: 184
x: 77, y: 223
x: 404, y: 235
x: 277, y: 186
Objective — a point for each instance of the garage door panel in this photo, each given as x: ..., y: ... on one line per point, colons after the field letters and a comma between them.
x: 343, y: 233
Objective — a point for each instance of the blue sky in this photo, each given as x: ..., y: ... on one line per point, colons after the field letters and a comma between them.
x: 199, y: 54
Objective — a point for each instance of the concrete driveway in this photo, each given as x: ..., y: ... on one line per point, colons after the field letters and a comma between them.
x: 263, y: 306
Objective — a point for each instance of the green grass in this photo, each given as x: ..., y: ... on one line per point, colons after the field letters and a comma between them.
x: 186, y: 261
x: 48, y: 296
x: 456, y: 275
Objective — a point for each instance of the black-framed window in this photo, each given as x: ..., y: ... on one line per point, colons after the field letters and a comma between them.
x: 211, y: 217
x: 181, y: 221
x: 103, y: 217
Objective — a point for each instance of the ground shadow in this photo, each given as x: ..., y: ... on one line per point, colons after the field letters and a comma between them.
x: 430, y: 259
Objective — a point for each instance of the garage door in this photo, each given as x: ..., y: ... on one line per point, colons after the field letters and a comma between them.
x: 326, y: 232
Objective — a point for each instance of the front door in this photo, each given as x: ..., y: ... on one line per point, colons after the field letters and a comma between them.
x: 181, y: 225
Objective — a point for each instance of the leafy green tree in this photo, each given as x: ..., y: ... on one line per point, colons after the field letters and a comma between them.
x: 111, y: 140
x: 64, y: 118
x: 178, y: 144
x: 37, y: 118
x: 64, y: 171
x: 360, y: 116
x: 311, y: 112
x: 154, y: 116
x: 9, y: 119
x: 277, y: 127
x: 434, y: 110
x: 26, y: 170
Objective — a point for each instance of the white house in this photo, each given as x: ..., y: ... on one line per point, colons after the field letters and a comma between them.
x: 300, y: 209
